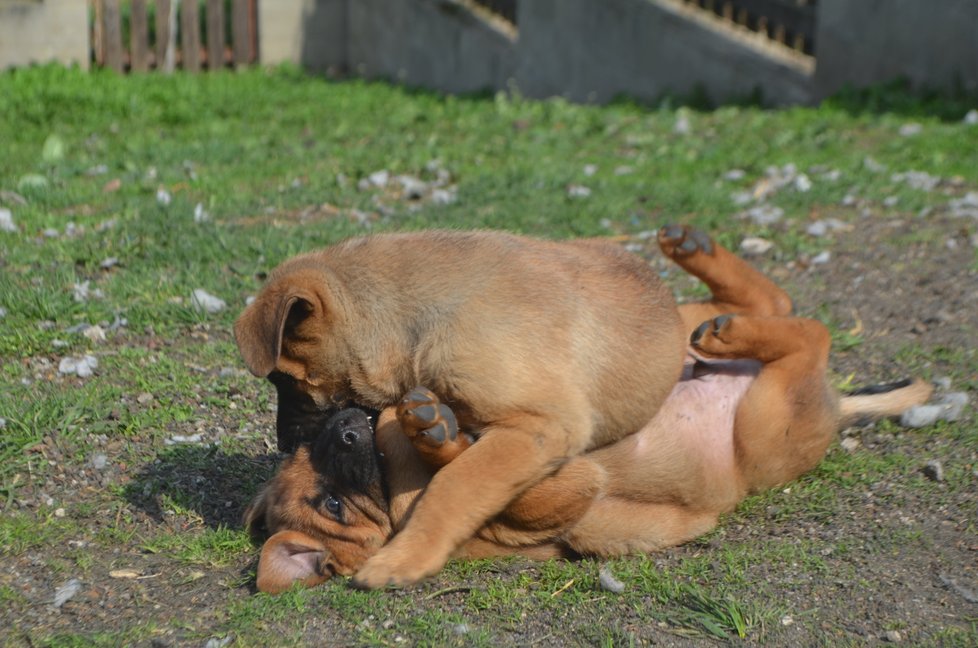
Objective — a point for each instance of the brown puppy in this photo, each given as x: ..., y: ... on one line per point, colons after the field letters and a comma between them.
x: 758, y: 415
x: 540, y: 348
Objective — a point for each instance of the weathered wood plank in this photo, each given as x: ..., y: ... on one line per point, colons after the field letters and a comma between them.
x: 190, y: 35
x: 241, y: 32
x: 139, y: 37
x: 166, y: 35
x: 112, y: 34
x: 215, y: 34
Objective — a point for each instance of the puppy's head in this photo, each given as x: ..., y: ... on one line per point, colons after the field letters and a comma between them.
x: 293, y: 335
x: 326, y: 510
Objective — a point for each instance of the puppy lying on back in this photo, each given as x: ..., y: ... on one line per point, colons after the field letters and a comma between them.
x: 543, y: 349
x: 753, y: 411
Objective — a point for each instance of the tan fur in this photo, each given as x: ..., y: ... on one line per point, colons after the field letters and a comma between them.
x: 540, y: 348
x: 608, y: 502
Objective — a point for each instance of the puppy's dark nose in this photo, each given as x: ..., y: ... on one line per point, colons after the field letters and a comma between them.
x: 350, y: 437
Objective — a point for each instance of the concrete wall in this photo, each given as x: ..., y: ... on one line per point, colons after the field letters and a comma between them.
x: 308, y: 32
x: 435, y: 44
x: 592, y: 51
x: 40, y: 31
x: 585, y: 50
x: 933, y: 43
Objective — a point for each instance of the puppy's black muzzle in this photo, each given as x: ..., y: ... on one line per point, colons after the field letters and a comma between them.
x: 344, y: 451
x: 299, y: 420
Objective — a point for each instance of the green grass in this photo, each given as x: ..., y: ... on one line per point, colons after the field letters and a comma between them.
x: 274, y: 158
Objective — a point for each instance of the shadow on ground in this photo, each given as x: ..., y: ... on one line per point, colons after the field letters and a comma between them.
x: 203, y: 482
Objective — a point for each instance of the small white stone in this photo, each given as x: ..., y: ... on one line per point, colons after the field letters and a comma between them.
x: 443, y: 196
x: 765, y: 214
x: 755, y: 245
x: 850, y: 444
x: 818, y: 228
x: 590, y: 169
x: 578, y: 191
x: 609, y: 582
x: 413, y: 188
x: 180, y: 438
x: 202, y: 300
x: 872, y: 165
x: 682, y: 125
x: 379, y: 178
x: 200, y: 214
x: 7, y: 220
x: 95, y: 333
x: 65, y: 593
x: 82, y: 367
x: 911, y: 129
x: 803, y: 183
x: 822, y: 258
x: 163, y: 197
x: 920, y: 416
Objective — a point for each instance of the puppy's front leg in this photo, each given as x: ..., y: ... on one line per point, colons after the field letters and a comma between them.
x: 462, y: 496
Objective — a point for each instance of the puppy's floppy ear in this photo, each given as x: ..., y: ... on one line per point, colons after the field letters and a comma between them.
x: 260, y: 328
x: 254, y: 515
x: 290, y: 557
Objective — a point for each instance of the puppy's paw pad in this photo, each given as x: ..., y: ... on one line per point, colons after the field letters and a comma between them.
x: 683, y: 240
x: 424, y: 418
x: 712, y: 332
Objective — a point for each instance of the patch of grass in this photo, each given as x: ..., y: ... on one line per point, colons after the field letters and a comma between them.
x: 210, y: 547
x: 22, y: 531
x: 104, y: 174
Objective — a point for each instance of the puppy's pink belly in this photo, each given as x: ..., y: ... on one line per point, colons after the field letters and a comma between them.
x: 699, y: 414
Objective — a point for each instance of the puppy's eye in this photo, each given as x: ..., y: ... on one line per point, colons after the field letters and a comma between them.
x: 332, y: 505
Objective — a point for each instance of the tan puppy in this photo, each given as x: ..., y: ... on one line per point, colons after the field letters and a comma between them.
x: 539, y: 347
x: 759, y: 414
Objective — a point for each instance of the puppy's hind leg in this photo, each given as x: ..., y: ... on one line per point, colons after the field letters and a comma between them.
x: 790, y: 413
x: 616, y: 526
x: 736, y: 286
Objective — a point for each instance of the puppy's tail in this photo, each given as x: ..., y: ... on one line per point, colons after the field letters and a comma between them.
x: 879, y: 401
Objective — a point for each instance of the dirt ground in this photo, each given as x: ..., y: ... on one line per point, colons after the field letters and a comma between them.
x: 904, y: 285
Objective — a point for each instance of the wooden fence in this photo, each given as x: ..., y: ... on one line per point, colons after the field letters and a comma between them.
x: 142, y: 35
x: 789, y: 22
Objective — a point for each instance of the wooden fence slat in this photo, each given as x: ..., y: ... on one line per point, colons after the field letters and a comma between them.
x: 190, y: 35
x: 139, y: 37
x: 240, y: 35
x: 98, y: 41
x: 162, y: 31
x: 215, y: 34
x: 112, y: 34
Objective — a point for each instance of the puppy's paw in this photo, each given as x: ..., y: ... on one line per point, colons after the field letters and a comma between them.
x: 714, y: 337
x: 431, y: 426
x: 397, y: 566
x: 678, y: 241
